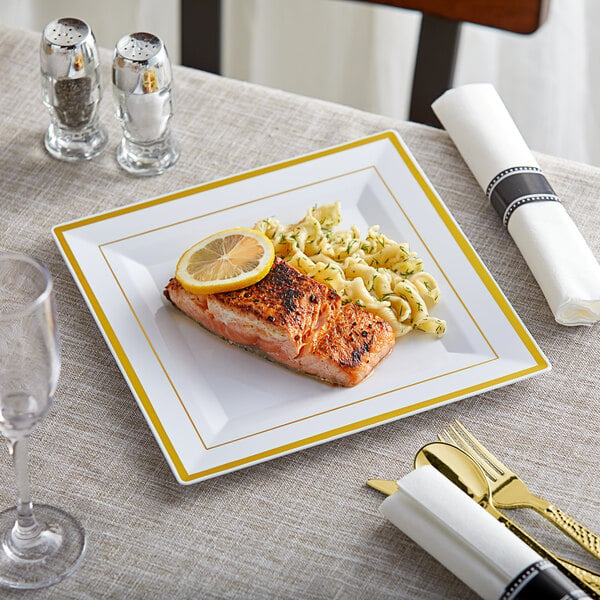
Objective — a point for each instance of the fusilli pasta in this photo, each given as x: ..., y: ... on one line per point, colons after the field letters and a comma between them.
x: 375, y: 272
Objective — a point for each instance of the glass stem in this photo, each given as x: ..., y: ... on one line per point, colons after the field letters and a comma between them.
x: 26, y: 528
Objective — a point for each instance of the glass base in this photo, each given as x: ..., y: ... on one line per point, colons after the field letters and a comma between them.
x: 48, y: 559
x: 147, y: 159
x: 74, y: 145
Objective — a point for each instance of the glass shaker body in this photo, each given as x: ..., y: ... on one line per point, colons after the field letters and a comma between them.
x: 142, y: 89
x: 71, y: 90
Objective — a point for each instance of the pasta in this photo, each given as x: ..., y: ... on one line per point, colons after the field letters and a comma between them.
x: 375, y: 272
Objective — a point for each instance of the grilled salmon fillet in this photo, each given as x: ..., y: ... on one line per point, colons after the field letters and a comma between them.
x: 296, y: 321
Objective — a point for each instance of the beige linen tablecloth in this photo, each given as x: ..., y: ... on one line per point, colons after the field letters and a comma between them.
x: 302, y: 526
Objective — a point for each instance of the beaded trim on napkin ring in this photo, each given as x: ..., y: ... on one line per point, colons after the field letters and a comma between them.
x: 542, y: 580
x: 517, y: 186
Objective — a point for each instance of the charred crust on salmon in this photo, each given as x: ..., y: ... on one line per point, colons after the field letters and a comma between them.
x: 283, y: 296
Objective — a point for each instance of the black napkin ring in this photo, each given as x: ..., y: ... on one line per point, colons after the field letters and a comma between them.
x: 516, y: 186
x: 542, y: 580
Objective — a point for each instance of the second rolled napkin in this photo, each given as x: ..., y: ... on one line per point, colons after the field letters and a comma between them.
x: 555, y: 251
x: 468, y: 541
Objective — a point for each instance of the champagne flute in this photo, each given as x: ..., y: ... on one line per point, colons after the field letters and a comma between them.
x: 37, y: 547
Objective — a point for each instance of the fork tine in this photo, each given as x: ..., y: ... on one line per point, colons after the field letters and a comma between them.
x: 479, y: 447
x: 459, y: 441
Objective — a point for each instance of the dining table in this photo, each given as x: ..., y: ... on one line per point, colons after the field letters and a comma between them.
x: 303, y: 525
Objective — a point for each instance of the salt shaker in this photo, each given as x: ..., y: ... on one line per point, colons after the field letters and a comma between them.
x: 142, y: 86
x: 71, y: 90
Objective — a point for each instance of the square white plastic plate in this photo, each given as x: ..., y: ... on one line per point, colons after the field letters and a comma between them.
x: 215, y: 408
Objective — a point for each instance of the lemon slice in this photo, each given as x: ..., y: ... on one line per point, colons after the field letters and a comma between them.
x: 225, y: 261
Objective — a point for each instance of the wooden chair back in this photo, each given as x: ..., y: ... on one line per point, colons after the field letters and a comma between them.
x: 438, y: 39
x: 440, y: 35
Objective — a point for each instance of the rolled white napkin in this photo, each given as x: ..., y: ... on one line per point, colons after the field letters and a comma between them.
x: 555, y: 251
x: 468, y: 541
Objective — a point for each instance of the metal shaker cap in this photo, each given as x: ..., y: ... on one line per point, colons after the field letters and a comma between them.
x: 141, y: 64
x: 68, y: 48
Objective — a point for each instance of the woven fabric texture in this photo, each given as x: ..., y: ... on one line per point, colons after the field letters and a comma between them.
x: 304, y: 525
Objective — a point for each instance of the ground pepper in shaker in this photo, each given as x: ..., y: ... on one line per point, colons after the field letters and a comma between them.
x: 142, y: 86
x: 71, y: 90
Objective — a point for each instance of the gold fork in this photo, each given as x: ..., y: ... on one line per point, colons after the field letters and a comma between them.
x: 510, y: 491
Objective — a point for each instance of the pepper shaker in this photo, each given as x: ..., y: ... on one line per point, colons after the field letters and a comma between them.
x: 142, y: 86
x: 71, y: 90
